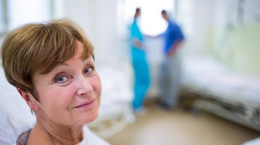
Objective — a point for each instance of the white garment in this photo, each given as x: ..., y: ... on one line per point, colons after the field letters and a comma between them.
x: 91, y: 139
x: 253, y: 142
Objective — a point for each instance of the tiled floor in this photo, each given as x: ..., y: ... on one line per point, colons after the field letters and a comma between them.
x: 180, y: 127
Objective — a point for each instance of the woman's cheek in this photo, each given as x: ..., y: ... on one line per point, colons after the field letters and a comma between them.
x: 96, y: 84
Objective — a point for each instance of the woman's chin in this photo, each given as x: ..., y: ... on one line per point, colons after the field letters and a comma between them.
x: 89, y: 118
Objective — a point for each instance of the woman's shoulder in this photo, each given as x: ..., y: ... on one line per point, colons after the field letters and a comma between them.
x: 23, y: 137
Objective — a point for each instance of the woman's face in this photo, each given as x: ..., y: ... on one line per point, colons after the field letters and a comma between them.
x: 70, y: 93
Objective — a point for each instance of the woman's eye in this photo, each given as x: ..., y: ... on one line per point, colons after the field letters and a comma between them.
x: 60, y: 79
x: 89, y: 69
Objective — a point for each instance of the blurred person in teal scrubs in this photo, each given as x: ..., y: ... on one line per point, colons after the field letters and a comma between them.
x: 140, y: 65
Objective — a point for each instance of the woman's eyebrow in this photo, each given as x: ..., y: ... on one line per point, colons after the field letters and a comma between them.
x: 61, y: 64
x: 56, y: 66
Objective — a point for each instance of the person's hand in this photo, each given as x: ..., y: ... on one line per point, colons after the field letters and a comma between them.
x: 172, y: 54
x: 137, y: 44
x: 174, y: 48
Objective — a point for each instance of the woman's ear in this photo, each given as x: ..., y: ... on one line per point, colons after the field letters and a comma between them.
x: 29, y: 99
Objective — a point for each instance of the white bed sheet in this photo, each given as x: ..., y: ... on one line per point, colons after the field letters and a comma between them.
x: 207, y: 76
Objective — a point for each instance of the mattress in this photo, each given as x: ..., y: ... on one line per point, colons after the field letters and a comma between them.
x: 233, y: 95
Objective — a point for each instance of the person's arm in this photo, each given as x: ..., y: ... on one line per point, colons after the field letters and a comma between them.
x: 175, y: 48
x: 137, y: 43
x: 177, y: 45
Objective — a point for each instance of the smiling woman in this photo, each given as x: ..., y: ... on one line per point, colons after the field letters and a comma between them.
x: 68, y: 91
x: 53, y: 69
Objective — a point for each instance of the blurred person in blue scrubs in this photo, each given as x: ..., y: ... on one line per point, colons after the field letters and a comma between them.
x: 170, y: 72
x: 140, y: 65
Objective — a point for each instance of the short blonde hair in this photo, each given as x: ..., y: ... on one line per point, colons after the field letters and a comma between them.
x: 40, y: 47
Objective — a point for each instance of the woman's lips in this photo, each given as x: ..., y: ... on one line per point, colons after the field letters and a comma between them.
x: 87, y: 104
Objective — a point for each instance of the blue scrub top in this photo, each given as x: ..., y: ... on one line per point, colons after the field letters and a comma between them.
x: 171, y: 35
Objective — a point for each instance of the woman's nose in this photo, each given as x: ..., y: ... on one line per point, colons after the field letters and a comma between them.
x: 84, y: 86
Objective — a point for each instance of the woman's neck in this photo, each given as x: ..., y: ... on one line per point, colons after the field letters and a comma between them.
x: 58, y: 134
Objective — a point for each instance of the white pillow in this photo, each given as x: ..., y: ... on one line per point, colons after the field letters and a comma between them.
x: 15, y: 115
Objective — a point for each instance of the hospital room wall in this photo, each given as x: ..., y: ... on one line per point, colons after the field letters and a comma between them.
x: 98, y: 18
x: 195, y: 18
x: 236, y: 38
x: 212, y: 28
x: 219, y: 33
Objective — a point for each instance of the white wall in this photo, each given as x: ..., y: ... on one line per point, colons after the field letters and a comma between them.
x: 201, y: 15
x: 98, y: 19
x: 83, y: 12
x: 237, y: 45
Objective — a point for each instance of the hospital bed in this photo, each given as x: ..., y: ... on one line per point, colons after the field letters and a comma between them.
x: 114, y: 114
x: 115, y: 111
x: 234, y: 96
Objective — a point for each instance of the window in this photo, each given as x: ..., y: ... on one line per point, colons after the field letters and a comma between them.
x: 151, y: 22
